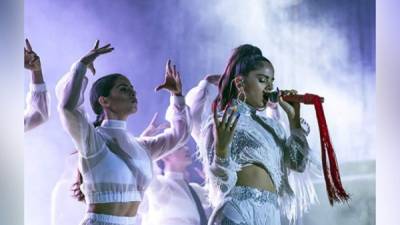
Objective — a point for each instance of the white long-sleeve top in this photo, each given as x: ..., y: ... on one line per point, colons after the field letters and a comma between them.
x: 37, y: 110
x: 170, y: 202
x: 115, y: 165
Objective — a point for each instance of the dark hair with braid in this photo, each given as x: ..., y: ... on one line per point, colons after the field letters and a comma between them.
x: 243, y: 60
x: 101, y: 87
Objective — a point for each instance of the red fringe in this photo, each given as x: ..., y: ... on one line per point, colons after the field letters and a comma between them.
x: 334, y: 187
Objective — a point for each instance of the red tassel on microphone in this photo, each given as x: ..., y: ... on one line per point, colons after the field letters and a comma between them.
x: 334, y: 187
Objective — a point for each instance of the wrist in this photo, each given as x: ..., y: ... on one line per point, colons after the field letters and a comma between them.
x: 295, y: 124
x: 37, y: 76
x: 221, y: 152
x: 222, y: 161
x: 177, y: 93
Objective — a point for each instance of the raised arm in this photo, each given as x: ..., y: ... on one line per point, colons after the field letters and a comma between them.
x: 70, y: 90
x: 37, y: 101
x: 177, y: 135
x: 296, y: 149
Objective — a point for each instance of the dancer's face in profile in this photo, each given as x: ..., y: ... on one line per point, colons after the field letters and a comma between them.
x: 122, y: 99
x: 256, y: 83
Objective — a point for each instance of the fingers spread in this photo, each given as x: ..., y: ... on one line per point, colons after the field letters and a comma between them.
x: 230, y: 118
x: 105, y: 46
x: 216, y: 122
x: 235, y: 122
x: 224, y: 115
x: 28, y: 45
x: 168, y: 67
x: 160, y: 87
x: 104, y: 50
x: 96, y: 44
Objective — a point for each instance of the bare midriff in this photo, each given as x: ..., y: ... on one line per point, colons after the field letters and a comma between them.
x: 256, y: 177
x: 128, y: 209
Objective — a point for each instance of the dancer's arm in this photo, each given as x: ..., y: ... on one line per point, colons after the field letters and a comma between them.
x: 177, y: 135
x: 296, y: 149
x: 37, y: 111
x: 70, y: 90
x: 222, y: 170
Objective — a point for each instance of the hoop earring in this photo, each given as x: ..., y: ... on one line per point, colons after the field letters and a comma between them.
x: 241, y: 96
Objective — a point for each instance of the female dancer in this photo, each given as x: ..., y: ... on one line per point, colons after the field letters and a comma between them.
x: 247, y: 160
x: 115, y: 167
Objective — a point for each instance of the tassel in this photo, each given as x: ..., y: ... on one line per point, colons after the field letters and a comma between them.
x: 334, y: 187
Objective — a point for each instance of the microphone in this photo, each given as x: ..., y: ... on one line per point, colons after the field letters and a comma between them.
x: 307, y: 99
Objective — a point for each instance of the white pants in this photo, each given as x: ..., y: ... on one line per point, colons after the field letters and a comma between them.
x: 249, y: 206
x: 102, y: 219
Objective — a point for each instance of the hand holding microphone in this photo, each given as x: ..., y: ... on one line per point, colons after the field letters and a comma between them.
x: 290, y: 101
x: 292, y: 96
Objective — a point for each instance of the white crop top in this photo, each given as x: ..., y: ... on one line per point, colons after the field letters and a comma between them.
x: 116, y: 167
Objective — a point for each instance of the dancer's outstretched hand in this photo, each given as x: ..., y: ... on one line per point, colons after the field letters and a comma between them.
x: 31, y: 59
x: 89, y: 58
x: 224, y: 129
x: 172, y: 80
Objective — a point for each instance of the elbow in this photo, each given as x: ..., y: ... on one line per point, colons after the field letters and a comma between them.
x: 66, y: 106
x: 64, y: 109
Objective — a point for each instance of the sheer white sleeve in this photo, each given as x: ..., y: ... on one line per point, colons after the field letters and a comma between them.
x: 69, y: 91
x: 303, y: 165
x: 199, y: 100
x: 296, y: 149
x: 173, y: 137
x: 37, y: 110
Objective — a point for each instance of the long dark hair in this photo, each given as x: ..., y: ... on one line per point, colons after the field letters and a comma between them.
x: 101, y: 87
x: 243, y: 60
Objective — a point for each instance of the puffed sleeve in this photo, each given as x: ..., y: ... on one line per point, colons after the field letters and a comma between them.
x: 70, y: 93
x: 296, y: 149
x: 199, y: 100
x: 173, y: 137
x: 37, y: 111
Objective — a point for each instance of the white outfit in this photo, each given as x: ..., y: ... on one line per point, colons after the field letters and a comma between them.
x: 170, y: 202
x: 116, y: 167
x: 262, y: 141
x: 37, y: 111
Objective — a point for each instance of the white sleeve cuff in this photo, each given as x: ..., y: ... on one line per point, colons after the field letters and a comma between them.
x: 37, y: 87
x: 178, y: 101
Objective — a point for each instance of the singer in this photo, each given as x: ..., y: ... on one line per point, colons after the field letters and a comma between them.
x: 248, y: 157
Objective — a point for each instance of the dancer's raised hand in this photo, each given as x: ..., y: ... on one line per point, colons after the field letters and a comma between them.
x: 31, y: 59
x: 172, y: 80
x: 89, y: 58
